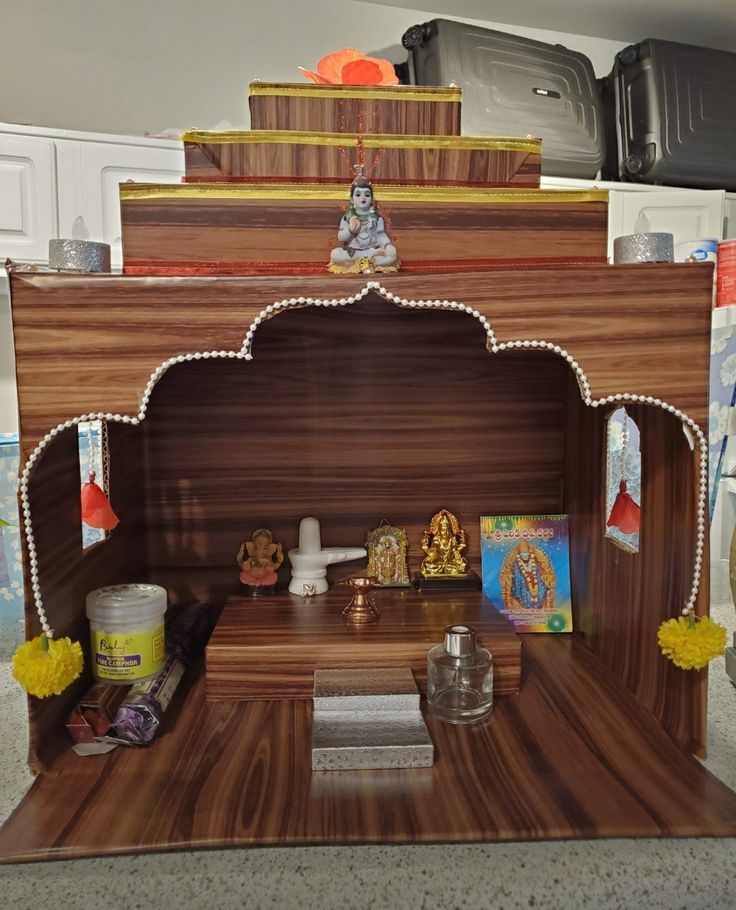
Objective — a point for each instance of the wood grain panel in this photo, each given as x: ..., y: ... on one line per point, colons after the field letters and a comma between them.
x: 236, y: 235
x: 270, y: 647
x: 643, y: 329
x: 352, y: 112
x: 573, y: 756
x: 153, y: 249
x: 408, y: 160
x: 620, y: 598
x: 362, y: 415
x: 67, y: 572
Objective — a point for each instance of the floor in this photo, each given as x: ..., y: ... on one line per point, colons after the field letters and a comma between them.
x: 692, y: 874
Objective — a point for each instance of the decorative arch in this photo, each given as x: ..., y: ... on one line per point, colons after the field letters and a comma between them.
x: 245, y: 353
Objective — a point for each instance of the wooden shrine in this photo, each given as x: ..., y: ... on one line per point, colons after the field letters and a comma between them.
x: 239, y: 402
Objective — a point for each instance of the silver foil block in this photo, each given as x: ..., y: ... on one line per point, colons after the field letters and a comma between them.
x: 731, y: 664
x: 346, y: 741
x: 374, y: 690
x: 650, y: 247
x: 79, y: 256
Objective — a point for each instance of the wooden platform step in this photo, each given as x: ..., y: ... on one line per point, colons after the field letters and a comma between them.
x: 266, y: 156
x: 270, y: 647
x: 573, y: 756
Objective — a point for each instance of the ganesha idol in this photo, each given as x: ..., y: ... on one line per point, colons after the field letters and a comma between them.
x: 258, y: 568
x: 366, y: 246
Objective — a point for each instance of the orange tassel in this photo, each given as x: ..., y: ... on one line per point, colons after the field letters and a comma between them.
x: 96, y: 510
x: 625, y: 512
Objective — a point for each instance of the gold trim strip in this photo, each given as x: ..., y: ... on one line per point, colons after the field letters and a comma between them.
x: 384, y: 140
x: 368, y: 93
x: 338, y: 193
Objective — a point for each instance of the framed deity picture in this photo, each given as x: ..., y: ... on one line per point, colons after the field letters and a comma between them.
x: 526, y: 570
x: 387, y: 548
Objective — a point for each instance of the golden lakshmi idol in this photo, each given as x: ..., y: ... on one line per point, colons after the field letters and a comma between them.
x: 443, y: 542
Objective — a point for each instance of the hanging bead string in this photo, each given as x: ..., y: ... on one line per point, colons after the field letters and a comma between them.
x: 624, y: 443
x: 245, y: 353
x: 361, y: 142
x: 90, y: 444
x: 346, y: 159
x: 374, y: 169
x: 105, y: 456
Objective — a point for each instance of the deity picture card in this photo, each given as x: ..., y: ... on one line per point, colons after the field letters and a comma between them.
x: 526, y: 570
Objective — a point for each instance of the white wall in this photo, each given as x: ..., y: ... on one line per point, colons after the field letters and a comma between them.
x: 145, y: 65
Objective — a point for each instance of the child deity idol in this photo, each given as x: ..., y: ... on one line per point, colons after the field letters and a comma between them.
x: 366, y: 246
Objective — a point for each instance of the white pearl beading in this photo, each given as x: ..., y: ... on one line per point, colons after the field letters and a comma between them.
x: 245, y: 353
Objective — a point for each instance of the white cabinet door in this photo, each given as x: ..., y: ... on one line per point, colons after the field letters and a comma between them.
x: 688, y: 214
x: 27, y: 198
x: 8, y: 395
x: 89, y: 175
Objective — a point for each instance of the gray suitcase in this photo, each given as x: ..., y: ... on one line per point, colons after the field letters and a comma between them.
x: 674, y: 109
x: 513, y: 86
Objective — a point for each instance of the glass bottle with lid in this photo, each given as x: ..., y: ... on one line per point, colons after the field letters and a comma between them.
x: 460, y: 678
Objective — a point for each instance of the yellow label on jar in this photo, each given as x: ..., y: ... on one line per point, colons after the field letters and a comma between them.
x: 127, y: 655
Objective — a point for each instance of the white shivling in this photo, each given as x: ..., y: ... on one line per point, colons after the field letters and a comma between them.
x: 310, y: 559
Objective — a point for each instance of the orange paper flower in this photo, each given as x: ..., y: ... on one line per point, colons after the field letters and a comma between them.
x: 350, y: 67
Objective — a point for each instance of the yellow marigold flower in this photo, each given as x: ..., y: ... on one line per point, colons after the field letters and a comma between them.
x: 46, y: 666
x: 691, y: 643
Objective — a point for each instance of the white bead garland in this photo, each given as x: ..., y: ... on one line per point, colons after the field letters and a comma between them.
x: 245, y: 353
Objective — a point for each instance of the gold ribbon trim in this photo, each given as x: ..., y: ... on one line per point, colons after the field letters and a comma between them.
x: 339, y: 192
x: 365, y: 92
x: 350, y: 140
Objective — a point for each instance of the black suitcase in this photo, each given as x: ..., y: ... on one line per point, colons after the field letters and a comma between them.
x: 672, y: 109
x: 513, y: 86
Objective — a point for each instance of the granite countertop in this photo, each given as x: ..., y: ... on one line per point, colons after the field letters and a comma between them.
x: 685, y: 874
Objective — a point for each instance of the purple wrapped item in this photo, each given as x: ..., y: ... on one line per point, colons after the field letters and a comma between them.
x: 139, y: 717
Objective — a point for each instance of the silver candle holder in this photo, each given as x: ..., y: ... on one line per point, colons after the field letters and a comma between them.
x: 650, y: 247
x: 79, y: 255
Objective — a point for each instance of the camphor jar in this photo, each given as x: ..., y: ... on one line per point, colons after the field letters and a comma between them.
x: 127, y: 632
x: 460, y: 678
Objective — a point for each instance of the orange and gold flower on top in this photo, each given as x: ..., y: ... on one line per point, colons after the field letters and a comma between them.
x: 350, y: 67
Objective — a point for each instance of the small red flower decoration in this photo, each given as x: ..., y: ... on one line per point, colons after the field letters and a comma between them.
x: 350, y: 67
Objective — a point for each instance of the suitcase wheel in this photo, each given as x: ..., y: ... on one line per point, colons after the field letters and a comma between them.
x: 639, y: 163
x: 415, y: 36
x: 629, y: 55
x: 634, y: 164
